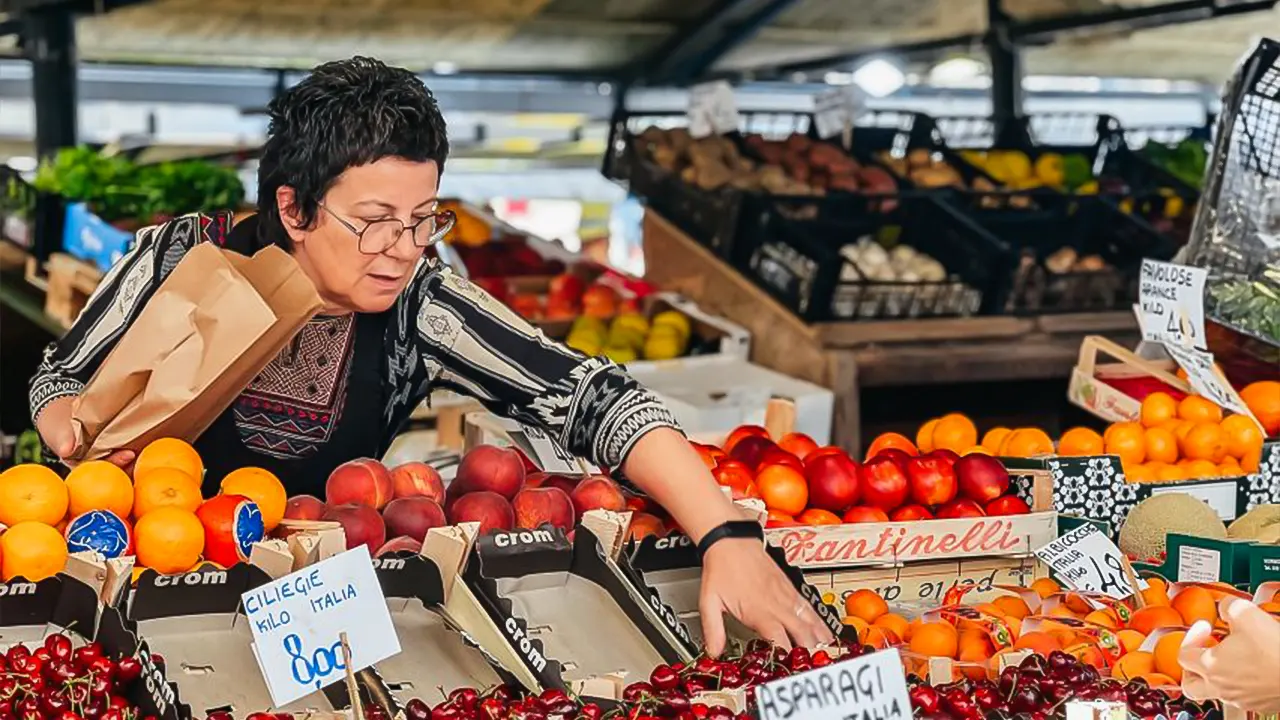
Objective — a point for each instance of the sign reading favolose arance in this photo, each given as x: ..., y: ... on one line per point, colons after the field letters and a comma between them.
x: 870, y: 687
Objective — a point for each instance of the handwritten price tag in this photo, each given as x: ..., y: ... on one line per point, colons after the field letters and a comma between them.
x: 1205, y: 380
x: 870, y: 686
x: 296, y: 622
x: 1086, y: 560
x: 1171, y: 303
x: 834, y: 110
x: 712, y: 109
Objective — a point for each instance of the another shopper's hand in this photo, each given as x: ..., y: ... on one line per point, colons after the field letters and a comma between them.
x: 54, y: 426
x: 739, y: 577
x: 1244, y: 669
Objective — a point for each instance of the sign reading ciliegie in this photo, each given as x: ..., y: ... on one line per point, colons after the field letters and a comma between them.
x: 297, y: 621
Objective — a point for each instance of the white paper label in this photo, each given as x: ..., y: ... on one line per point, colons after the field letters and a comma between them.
x: 712, y: 109
x: 1202, y: 378
x: 297, y: 620
x: 1171, y: 299
x: 542, y: 449
x: 1221, y: 496
x: 870, y: 686
x: 1197, y: 564
x: 835, y: 109
x: 1087, y: 560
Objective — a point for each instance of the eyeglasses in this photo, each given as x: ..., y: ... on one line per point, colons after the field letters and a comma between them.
x: 380, y: 236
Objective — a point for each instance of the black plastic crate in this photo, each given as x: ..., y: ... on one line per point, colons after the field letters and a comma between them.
x: 803, y: 262
x: 1071, y: 253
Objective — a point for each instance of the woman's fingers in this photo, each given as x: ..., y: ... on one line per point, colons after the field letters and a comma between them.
x: 713, y: 633
x: 122, y: 458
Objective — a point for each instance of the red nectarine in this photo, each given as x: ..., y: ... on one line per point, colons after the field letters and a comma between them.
x: 361, y: 523
x: 494, y: 469
x: 363, y: 481
x: 417, y: 479
x: 833, y: 481
x: 536, y: 506
x: 490, y: 509
x: 413, y: 516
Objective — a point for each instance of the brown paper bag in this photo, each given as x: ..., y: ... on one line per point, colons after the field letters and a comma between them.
x: 213, y: 324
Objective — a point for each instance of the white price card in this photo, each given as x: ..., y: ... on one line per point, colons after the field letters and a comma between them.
x: 712, y: 109
x: 547, y: 453
x: 835, y: 109
x: 1087, y: 560
x: 869, y: 687
x: 297, y: 621
x: 1205, y: 380
x: 1171, y: 303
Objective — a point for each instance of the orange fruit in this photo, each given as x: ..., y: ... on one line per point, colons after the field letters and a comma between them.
x: 165, y: 487
x: 1166, y: 654
x: 99, y: 485
x: 261, y: 487
x: 894, y: 623
x: 1046, y: 587
x: 1158, y: 407
x: 879, y: 638
x: 1038, y: 642
x: 1198, y: 409
x: 1205, y: 441
x: 1251, y: 463
x: 1079, y: 441
x: 1063, y: 611
x: 935, y: 639
x: 32, y: 492
x: 170, y: 453
x: 865, y: 604
x: 1102, y: 617
x: 1154, y: 616
x: 1133, y: 664
x: 169, y: 540
x: 975, y: 449
x: 1170, y: 473
x: 33, y: 550
x: 892, y: 440
x: 1229, y: 467
x: 1241, y: 435
x: 992, y: 439
x: 1127, y: 441
x: 1157, y: 592
x: 817, y: 516
x: 1146, y: 472
x: 1026, y: 442
x: 1161, y: 445
x: 859, y: 624
x: 781, y: 487
x: 975, y: 648
x: 1130, y: 640
x: 1263, y: 400
x: 954, y: 432
x: 1195, y: 603
x: 924, y: 436
x: 1197, y: 469
x: 1012, y: 606
x: 1159, y: 680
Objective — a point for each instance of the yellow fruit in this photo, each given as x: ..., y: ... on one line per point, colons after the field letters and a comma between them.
x: 675, y: 319
x: 620, y: 354
x: 663, y: 343
x: 1049, y: 169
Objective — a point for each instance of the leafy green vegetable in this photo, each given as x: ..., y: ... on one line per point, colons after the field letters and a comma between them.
x: 1250, y: 305
x: 1185, y: 161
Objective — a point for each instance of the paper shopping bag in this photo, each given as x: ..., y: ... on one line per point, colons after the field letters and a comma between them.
x: 210, y: 327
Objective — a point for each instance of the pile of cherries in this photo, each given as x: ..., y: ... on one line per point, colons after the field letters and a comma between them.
x: 1038, y: 689
x: 58, y: 682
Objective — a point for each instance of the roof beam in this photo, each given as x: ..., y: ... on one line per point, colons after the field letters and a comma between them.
x: 694, y: 50
x: 1038, y: 32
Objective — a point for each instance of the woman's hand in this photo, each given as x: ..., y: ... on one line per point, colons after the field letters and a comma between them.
x: 738, y: 577
x: 54, y: 426
x: 1244, y: 669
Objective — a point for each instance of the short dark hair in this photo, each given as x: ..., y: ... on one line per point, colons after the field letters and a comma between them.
x: 344, y: 114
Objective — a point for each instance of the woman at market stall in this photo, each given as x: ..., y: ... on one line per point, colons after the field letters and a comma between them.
x: 348, y: 184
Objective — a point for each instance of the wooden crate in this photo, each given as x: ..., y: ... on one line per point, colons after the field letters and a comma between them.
x: 68, y: 282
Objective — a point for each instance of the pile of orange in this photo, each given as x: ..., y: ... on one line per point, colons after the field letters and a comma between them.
x: 160, y: 501
x: 1183, y: 440
x: 958, y: 433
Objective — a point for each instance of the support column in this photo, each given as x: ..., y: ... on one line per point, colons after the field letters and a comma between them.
x: 50, y: 42
x: 1006, y: 71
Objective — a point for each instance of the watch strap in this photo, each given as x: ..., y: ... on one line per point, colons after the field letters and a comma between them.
x: 730, y: 529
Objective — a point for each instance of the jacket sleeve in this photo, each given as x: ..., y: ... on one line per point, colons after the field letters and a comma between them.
x: 590, y: 405
x: 70, y: 361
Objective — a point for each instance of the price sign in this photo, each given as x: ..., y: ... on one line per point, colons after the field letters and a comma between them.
x: 1171, y: 303
x: 1086, y: 560
x: 834, y: 110
x: 870, y: 686
x: 712, y: 109
x: 296, y: 622
x: 1205, y: 380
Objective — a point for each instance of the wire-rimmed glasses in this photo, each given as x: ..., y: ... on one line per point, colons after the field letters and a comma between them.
x: 380, y: 236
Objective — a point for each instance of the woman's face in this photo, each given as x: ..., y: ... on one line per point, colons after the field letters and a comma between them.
x: 346, y: 276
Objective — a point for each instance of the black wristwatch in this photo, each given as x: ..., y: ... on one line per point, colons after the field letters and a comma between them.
x: 731, y: 529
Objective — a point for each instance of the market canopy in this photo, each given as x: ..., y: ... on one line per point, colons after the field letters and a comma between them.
x: 662, y: 41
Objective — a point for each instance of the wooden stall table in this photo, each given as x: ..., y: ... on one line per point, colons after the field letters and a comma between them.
x: 849, y: 356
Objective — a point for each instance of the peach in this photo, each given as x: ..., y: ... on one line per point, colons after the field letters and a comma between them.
x: 490, y: 509
x: 304, y: 507
x: 417, y: 478
x: 597, y: 493
x: 363, y: 481
x: 833, y: 481
x: 536, y: 506
x: 489, y: 468
x: 399, y: 544
x: 413, y: 516
x: 644, y: 524
x: 541, y: 479
x: 361, y: 523
x: 751, y: 450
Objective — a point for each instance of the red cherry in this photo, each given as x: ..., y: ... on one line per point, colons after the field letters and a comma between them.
x: 58, y: 645
x: 637, y: 691
x: 664, y: 677
x: 924, y: 698
x: 700, y: 710
x: 591, y: 711
x: 492, y: 708
x: 128, y: 669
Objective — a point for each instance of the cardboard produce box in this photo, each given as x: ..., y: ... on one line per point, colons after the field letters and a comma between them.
x: 569, y: 613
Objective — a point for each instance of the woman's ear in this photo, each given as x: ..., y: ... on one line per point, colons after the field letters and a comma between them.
x: 287, y: 205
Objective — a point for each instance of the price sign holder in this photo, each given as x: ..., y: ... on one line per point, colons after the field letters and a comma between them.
x: 1087, y: 560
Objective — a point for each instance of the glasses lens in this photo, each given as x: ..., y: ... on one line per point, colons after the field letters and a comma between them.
x: 434, y: 228
x: 380, y: 236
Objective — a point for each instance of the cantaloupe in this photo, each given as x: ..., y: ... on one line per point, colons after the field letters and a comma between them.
x: 1261, y: 524
x: 1149, y: 523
